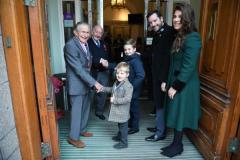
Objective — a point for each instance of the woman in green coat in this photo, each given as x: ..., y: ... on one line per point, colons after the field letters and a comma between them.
x: 183, y: 101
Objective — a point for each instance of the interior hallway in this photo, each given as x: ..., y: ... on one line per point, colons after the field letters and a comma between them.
x: 100, y: 146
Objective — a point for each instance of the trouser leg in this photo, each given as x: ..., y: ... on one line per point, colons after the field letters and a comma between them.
x: 160, y: 121
x: 85, y: 112
x: 134, y: 114
x: 77, y: 105
x: 102, y: 78
x: 123, y: 129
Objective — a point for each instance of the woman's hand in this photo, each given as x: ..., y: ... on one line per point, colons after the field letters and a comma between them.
x: 163, y: 87
x: 171, y: 93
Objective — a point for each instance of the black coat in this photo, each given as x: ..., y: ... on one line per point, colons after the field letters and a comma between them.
x: 161, y: 47
x: 97, y: 54
x: 137, y: 73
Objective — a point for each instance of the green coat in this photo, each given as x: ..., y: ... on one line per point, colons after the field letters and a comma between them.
x: 183, y: 111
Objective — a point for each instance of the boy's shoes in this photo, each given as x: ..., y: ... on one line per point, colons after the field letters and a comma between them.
x: 132, y: 131
x: 155, y: 138
x: 86, y: 134
x: 172, y: 150
x: 116, y: 138
x: 100, y: 116
x: 76, y: 143
x: 152, y: 129
x: 120, y: 145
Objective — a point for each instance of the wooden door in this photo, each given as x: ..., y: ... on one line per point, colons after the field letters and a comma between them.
x: 17, y: 49
x: 220, y: 76
x: 26, y: 49
x: 38, y: 26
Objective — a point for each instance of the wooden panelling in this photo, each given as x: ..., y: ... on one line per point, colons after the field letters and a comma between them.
x: 20, y: 74
x: 45, y: 95
x: 217, y: 56
x: 220, y: 77
x: 212, y: 120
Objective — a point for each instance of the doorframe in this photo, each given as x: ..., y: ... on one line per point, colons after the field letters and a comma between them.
x: 27, y: 62
x: 44, y: 88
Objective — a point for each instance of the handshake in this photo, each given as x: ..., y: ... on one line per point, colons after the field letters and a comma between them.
x: 98, y: 87
x: 104, y: 62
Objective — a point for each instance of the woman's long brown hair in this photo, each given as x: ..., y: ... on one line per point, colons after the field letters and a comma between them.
x: 188, y: 24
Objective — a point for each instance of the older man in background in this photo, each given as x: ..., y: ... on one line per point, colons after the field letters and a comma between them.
x: 99, y: 51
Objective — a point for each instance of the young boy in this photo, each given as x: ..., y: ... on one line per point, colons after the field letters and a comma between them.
x: 136, y: 78
x: 120, y: 104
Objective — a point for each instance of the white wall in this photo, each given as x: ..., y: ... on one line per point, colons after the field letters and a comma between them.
x: 56, y: 39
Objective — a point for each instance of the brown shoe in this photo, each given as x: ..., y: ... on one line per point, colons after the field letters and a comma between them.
x: 86, y: 134
x: 77, y: 144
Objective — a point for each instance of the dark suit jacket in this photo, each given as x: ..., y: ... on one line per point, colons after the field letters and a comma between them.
x: 78, y: 64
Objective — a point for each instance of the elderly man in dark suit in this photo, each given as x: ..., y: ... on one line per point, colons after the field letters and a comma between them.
x: 161, y: 47
x: 79, y: 82
x: 99, y: 51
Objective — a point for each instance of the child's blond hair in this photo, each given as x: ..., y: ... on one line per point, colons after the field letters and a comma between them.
x: 123, y: 66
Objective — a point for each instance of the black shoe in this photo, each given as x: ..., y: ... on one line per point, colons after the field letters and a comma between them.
x: 102, y: 117
x: 120, y: 146
x: 152, y: 129
x: 155, y: 138
x: 172, y: 151
x: 132, y: 131
x: 116, y: 138
x: 153, y: 113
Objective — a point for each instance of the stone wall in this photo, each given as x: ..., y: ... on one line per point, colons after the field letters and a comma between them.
x: 9, y: 145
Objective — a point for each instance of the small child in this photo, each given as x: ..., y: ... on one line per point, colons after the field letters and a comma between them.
x: 120, y: 104
x: 136, y: 77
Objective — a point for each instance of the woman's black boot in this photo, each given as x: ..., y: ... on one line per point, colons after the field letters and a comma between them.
x: 176, y: 147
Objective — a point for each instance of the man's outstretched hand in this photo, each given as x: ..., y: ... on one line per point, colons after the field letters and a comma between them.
x: 98, y: 87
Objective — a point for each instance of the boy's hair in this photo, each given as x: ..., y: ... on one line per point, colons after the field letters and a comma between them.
x: 123, y: 66
x: 131, y: 42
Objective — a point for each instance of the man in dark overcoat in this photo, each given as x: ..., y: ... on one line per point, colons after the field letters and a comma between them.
x: 161, y: 46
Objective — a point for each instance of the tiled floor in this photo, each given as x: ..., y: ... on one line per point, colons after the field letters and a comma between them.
x: 99, y: 147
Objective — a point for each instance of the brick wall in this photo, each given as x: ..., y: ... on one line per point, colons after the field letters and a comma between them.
x: 9, y: 145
